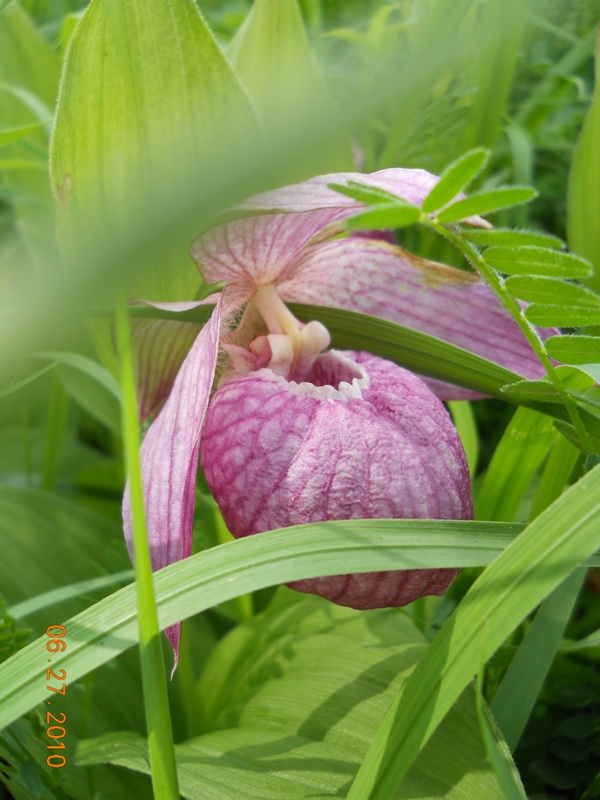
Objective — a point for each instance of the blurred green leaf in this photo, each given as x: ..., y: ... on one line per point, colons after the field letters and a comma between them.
x: 551, y: 291
x: 486, y: 202
x: 290, y: 704
x: 10, y: 135
x: 91, y: 385
x: 456, y: 178
x: 583, y: 205
x: 537, y: 261
x: 271, y: 55
x: 146, y: 98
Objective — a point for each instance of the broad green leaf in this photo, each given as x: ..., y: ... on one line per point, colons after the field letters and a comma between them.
x: 517, y: 458
x: 110, y: 627
x: 486, y: 202
x: 91, y: 385
x: 514, y: 701
x: 551, y: 291
x: 537, y: 261
x: 574, y: 349
x: 271, y: 55
x: 296, y: 675
x: 536, y: 563
x: 562, y: 316
x: 508, y: 237
x: 583, y: 201
x: 147, y: 102
x: 576, y: 381
x: 390, y: 216
x: 456, y: 178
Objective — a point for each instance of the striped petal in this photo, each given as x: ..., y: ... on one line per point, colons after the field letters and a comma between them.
x: 169, y: 456
x: 412, y: 185
x: 386, y: 281
x: 263, y: 249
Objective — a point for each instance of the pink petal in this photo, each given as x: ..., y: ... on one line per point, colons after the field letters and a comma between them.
x: 386, y: 281
x: 363, y: 439
x: 412, y: 185
x: 159, y: 348
x: 169, y: 456
x: 260, y: 250
x: 256, y: 251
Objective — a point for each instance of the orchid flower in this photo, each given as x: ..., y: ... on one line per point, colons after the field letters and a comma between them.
x: 296, y: 432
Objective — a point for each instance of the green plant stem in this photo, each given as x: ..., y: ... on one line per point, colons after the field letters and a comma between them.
x: 497, y: 286
x: 158, y: 719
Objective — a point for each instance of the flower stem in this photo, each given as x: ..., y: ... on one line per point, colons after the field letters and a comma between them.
x: 158, y: 719
x: 496, y: 283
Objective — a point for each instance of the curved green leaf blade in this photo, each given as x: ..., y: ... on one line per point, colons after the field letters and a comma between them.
x: 109, y: 627
x: 547, y: 552
x: 487, y: 202
x: 456, y: 178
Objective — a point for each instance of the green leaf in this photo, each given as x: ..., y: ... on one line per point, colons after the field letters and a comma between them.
x: 562, y: 316
x: 583, y: 200
x: 516, y: 460
x: 390, y: 216
x: 509, y: 237
x: 147, y: 103
x: 574, y: 349
x: 486, y: 203
x: 456, y: 178
x: 464, y: 421
x: 514, y: 701
x: 537, y: 261
x: 298, y: 726
x: 369, y: 195
x: 271, y: 55
x: 537, y: 562
x: 91, y: 385
x: 213, y: 576
x: 10, y: 135
x: 551, y: 291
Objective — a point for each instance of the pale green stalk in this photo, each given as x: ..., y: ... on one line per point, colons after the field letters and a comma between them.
x: 158, y: 718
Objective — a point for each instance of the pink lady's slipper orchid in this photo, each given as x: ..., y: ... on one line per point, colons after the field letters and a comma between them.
x: 295, y: 432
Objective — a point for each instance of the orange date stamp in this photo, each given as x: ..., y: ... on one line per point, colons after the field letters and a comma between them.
x: 55, y: 730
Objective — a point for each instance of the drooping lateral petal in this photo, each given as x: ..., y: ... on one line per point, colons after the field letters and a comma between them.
x: 159, y: 348
x: 256, y: 251
x: 169, y: 455
x: 373, y: 277
x: 412, y: 185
